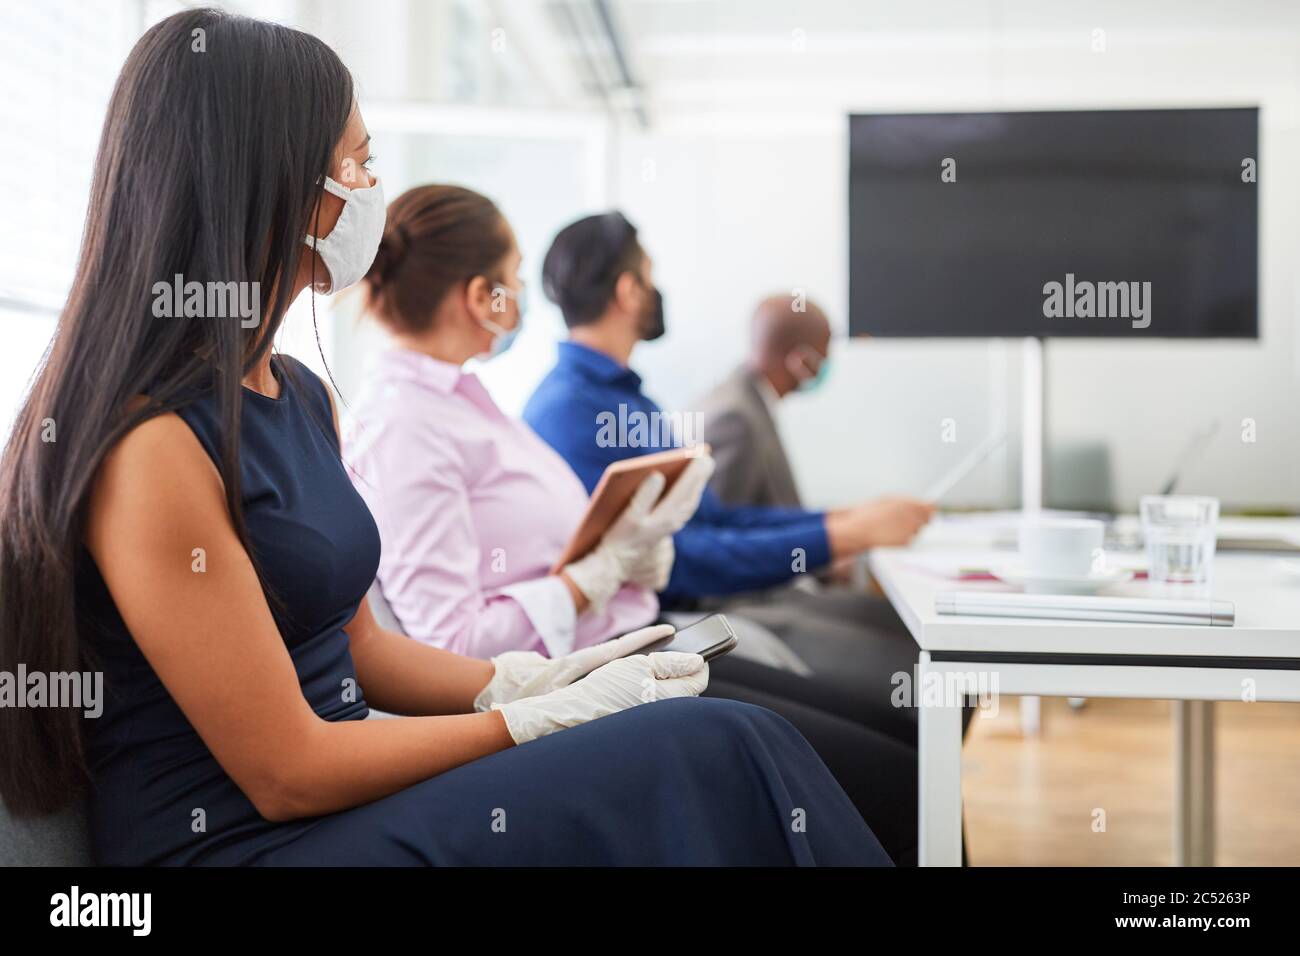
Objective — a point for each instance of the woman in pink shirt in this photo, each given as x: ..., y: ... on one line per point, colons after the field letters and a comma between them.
x: 473, y: 508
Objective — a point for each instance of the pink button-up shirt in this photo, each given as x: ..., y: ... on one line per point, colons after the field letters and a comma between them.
x: 473, y: 509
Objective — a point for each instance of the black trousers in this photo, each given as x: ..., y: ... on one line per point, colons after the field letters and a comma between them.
x: 857, y: 648
x: 877, y: 771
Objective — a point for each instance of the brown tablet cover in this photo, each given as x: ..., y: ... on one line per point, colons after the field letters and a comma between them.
x: 615, y: 490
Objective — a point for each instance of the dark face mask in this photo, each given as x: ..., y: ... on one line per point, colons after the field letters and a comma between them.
x: 652, y: 323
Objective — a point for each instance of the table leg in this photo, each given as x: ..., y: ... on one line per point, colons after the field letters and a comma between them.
x: 940, y: 773
x: 1031, y: 715
x: 1194, y: 782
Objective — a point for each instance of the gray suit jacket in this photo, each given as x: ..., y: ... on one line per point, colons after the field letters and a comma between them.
x: 752, y: 465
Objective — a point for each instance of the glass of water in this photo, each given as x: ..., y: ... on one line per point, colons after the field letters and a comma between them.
x: 1180, y: 534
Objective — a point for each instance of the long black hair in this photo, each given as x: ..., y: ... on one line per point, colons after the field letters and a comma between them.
x: 218, y: 136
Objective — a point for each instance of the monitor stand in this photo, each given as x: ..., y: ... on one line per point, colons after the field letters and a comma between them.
x: 1033, y: 401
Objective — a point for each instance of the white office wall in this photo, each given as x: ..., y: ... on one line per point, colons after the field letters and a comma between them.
x: 736, y: 201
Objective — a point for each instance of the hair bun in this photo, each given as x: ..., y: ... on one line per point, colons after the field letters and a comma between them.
x: 392, y: 251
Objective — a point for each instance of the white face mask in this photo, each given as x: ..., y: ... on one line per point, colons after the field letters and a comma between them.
x: 350, y: 247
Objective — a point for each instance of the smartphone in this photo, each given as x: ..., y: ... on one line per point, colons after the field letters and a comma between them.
x: 709, y: 637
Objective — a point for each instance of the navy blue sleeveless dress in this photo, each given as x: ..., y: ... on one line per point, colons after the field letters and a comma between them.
x: 691, y: 781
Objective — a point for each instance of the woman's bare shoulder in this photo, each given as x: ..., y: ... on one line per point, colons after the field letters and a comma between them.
x: 157, y: 471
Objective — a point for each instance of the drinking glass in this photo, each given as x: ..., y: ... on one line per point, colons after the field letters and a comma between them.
x: 1180, y: 534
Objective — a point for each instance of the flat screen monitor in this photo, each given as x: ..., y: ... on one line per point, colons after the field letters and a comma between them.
x: 1112, y: 223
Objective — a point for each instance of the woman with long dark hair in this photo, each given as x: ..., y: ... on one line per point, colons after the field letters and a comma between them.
x: 173, y: 512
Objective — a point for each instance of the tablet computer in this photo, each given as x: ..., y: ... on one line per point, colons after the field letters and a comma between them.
x: 615, y: 490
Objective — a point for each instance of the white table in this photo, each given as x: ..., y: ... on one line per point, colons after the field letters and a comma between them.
x: 1259, y: 657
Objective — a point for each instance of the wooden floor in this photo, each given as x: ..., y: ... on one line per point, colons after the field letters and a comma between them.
x: 1035, y: 802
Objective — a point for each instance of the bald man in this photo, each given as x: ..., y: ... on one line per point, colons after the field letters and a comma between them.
x: 789, y: 349
x: 828, y: 627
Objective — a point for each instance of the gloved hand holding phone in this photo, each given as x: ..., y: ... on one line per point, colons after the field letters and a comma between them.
x: 528, y: 674
x: 618, y: 685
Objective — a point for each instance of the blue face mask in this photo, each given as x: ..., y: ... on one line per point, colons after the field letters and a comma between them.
x: 815, y: 380
x: 503, y: 338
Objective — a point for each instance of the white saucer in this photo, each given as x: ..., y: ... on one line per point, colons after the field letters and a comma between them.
x: 1039, y: 583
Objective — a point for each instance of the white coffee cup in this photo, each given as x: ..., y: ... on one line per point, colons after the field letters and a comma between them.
x: 1064, y: 547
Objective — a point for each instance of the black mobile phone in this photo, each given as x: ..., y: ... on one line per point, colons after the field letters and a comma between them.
x: 709, y: 637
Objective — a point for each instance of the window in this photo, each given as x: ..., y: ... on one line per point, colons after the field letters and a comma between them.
x: 58, y: 63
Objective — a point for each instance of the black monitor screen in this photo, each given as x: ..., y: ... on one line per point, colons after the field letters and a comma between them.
x: 1070, y: 223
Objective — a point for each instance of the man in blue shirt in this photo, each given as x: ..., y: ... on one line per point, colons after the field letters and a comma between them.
x: 722, y: 550
x: 591, y: 409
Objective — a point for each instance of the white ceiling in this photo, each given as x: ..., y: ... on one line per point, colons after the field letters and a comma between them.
x: 755, y: 54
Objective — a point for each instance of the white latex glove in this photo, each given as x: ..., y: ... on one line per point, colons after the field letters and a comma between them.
x: 652, y: 568
x: 528, y: 674
x: 615, y: 686
x: 632, y: 548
